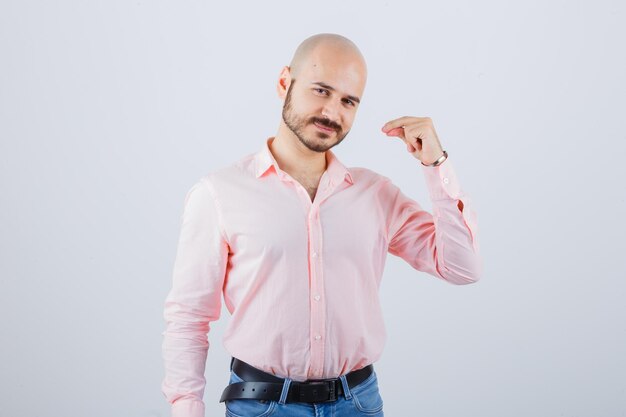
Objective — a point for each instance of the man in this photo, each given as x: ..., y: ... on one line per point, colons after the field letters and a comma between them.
x: 296, y: 243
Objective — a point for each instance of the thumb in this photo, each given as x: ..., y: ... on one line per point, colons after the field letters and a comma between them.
x: 399, y: 132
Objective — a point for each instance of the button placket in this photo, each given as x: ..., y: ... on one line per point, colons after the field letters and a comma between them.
x: 317, y: 287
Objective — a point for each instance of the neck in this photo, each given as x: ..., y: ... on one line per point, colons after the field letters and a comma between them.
x: 295, y: 158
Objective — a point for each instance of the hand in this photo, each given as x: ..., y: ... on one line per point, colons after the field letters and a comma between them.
x: 419, y: 135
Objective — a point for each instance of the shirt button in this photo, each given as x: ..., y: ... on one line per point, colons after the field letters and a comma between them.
x: 318, y: 337
x: 446, y: 180
x: 314, y: 254
x: 317, y: 297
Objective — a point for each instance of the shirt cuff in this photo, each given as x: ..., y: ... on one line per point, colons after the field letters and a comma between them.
x: 443, y: 187
x: 442, y: 182
x: 188, y: 408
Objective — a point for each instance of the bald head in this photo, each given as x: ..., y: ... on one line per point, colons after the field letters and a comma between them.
x: 329, y: 46
x: 319, y: 109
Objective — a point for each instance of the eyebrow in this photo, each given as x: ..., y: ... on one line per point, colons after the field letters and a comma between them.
x: 321, y: 84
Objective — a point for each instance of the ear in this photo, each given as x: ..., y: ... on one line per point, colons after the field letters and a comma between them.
x: 284, y: 80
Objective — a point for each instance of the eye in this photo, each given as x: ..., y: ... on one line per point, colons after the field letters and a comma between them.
x: 320, y: 89
x: 349, y: 101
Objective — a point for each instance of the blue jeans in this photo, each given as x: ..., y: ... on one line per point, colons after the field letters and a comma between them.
x: 361, y: 400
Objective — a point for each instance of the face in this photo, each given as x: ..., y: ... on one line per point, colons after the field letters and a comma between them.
x: 320, y: 107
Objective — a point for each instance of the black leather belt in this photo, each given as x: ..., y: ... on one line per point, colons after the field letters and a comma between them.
x: 261, y: 385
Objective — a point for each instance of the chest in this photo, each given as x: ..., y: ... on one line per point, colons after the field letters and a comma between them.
x: 270, y: 221
x: 310, y: 184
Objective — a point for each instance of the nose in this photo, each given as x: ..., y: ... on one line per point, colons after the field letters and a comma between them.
x: 331, y: 110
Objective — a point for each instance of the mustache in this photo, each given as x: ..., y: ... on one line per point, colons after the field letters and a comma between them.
x: 326, y: 123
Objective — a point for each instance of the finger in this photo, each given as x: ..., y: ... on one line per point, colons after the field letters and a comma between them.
x: 413, y: 134
x: 398, y: 122
x: 396, y: 131
x: 407, y: 121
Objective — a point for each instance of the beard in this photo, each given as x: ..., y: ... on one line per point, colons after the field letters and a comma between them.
x: 298, y: 124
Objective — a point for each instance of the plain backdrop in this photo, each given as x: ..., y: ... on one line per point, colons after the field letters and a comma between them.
x: 110, y: 111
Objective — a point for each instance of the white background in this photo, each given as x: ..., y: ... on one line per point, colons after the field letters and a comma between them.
x: 110, y: 111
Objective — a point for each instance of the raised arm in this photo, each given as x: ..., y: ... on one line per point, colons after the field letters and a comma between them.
x: 445, y: 243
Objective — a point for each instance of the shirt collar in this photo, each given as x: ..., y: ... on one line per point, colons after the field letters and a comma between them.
x: 264, y: 160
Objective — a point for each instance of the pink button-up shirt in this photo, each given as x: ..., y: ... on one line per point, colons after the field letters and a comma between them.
x: 300, y: 278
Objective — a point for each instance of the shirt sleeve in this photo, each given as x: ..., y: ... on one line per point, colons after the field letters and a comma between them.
x: 193, y: 301
x: 445, y: 243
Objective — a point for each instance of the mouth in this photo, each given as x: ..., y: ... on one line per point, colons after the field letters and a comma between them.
x: 324, y: 129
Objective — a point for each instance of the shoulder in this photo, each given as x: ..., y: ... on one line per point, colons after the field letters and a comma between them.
x: 367, y: 176
x: 232, y: 173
